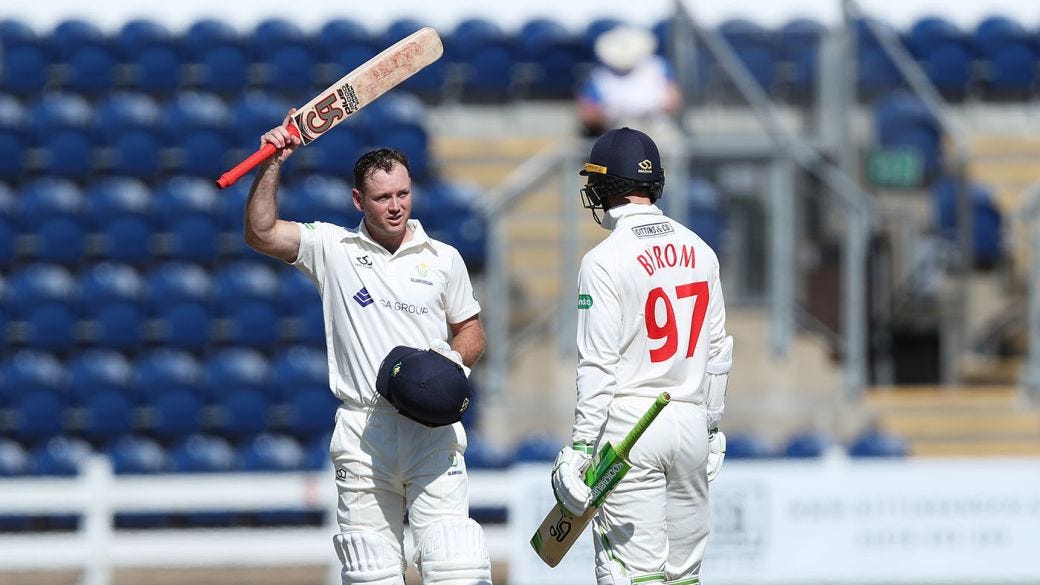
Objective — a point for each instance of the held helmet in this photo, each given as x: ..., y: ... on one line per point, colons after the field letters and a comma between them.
x: 622, y: 160
x: 424, y: 386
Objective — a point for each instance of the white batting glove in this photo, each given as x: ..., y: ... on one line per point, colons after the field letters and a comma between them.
x: 568, y: 477
x: 440, y: 346
x: 716, y: 452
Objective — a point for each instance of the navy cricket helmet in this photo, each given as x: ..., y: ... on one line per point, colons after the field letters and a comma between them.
x: 621, y: 160
x: 424, y: 386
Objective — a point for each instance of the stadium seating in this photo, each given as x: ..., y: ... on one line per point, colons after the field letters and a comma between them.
x: 43, y: 297
x: 198, y: 453
x: 747, y: 445
x: 113, y: 301
x: 179, y: 297
x: 246, y: 295
x: 184, y: 209
x: 30, y: 371
x: 50, y: 211
x: 875, y: 443
x: 95, y: 370
x: 60, y: 456
x: 119, y: 212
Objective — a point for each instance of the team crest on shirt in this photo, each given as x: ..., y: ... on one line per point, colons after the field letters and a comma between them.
x: 422, y: 270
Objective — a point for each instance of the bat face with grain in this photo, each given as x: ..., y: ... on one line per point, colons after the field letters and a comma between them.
x: 352, y: 92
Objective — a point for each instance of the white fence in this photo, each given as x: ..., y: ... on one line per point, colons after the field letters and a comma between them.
x: 833, y: 520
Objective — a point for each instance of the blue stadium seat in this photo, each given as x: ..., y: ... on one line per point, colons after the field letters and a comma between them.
x: 24, y: 69
x: 271, y: 452
x: 30, y: 371
x: 987, y: 229
x: 552, y: 56
x: 37, y: 416
x: 224, y: 70
x: 108, y: 415
x: 61, y: 456
x: 799, y: 41
x: 297, y: 368
x: 754, y: 48
x: 704, y: 214
x: 235, y: 369
x: 67, y: 153
x: 482, y: 453
x: 242, y: 413
x: 156, y: 69
x: 901, y: 120
x: 1012, y: 69
x: 164, y: 370
x: 876, y: 443
x: 180, y: 299
x: 196, y: 123
x: 300, y: 301
x: 185, y: 209
x: 339, y: 31
x: 44, y: 298
x: 394, y: 109
x: 335, y: 153
x: 253, y: 114
x: 119, y: 210
x: 310, y: 411
x: 73, y: 33
x: 14, y: 32
x: 996, y: 31
x: 537, y: 448
x: 272, y: 33
x: 291, y: 70
x: 205, y: 34
x: 746, y: 445
x: 112, y: 296
x: 174, y: 413
x: 488, y: 71
x: 806, y: 445
x: 317, y: 452
x: 878, y: 74
x: 14, y: 461
x: 199, y: 453
x: 247, y: 295
x: 139, y: 34
x: 137, y: 455
x: 90, y: 69
x: 7, y: 226
x: 58, y: 111
x: 13, y: 141
x: 414, y: 141
x: 95, y: 370
x: 120, y: 111
x: 324, y: 198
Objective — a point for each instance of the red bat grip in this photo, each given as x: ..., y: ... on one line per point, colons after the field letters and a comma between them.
x: 262, y: 154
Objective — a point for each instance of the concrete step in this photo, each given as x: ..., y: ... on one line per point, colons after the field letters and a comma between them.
x: 976, y: 448
x: 953, y: 426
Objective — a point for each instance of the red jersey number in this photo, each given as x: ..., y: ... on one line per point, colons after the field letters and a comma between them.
x: 669, y: 329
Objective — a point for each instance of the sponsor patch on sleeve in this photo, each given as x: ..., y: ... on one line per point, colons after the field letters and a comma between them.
x: 653, y: 230
x: 584, y: 301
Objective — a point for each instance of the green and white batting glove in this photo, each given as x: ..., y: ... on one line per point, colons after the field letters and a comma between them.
x: 568, y: 477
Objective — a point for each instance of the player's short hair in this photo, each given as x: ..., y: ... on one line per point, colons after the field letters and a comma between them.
x: 380, y: 159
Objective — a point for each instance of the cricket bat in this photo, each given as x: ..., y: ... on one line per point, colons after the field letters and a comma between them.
x: 560, y: 529
x: 352, y: 92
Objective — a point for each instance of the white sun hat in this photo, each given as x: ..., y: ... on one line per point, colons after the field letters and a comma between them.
x: 625, y: 46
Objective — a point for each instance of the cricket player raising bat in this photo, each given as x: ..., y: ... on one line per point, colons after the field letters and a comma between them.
x: 651, y: 318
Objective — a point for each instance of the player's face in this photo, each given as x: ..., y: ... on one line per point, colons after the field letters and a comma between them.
x: 387, y: 204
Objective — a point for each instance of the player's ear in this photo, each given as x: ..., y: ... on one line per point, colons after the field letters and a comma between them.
x: 356, y: 196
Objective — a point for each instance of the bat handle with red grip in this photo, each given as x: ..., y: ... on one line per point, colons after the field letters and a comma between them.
x: 262, y: 154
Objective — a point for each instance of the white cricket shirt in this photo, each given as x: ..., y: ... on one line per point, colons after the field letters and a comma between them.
x: 651, y: 316
x: 374, y: 301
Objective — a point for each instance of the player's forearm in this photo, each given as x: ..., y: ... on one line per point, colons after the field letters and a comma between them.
x: 468, y: 340
x: 261, y: 214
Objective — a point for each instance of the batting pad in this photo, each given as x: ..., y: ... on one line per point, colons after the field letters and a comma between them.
x: 453, y: 552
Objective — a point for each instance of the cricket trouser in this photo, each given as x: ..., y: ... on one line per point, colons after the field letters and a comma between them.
x: 387, y: 464
x: 654, y: 526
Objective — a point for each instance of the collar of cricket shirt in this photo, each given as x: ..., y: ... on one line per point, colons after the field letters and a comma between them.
x: 620, y: 213
x: 419, y: 237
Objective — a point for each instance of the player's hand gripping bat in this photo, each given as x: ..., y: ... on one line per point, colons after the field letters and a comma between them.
x: 352, y: 92
x: 561, y: 529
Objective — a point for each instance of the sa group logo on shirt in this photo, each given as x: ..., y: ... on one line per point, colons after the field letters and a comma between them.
x: 584, y: 301
x: 362, y: 297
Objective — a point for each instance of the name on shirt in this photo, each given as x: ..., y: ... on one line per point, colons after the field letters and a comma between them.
x: 653, y: 230
x: 668, y: 256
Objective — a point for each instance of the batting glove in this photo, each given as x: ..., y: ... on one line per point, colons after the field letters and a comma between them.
x: 716, y: 452
x: 568, y: 477
x: 440, y: 346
